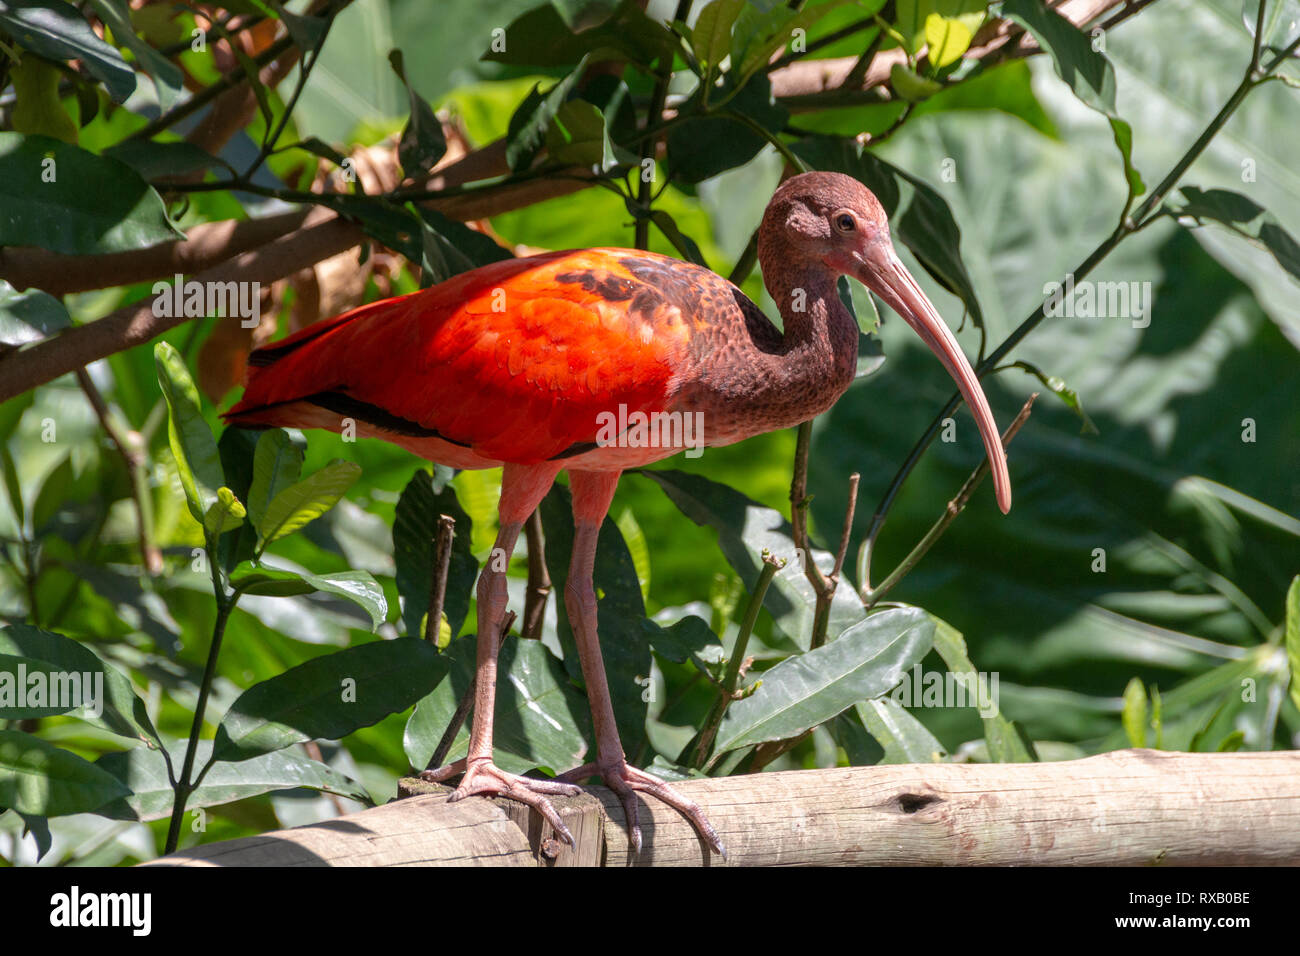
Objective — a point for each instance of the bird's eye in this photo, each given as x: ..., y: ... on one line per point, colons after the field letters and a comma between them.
x: 845, y: 222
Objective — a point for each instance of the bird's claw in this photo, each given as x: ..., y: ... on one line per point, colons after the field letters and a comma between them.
x: 484, y: 778
x: 626, y: 781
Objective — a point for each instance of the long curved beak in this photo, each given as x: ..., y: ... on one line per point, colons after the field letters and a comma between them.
x: 880, y: 270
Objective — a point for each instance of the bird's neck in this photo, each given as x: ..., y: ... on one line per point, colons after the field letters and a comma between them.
x: 756, y: 378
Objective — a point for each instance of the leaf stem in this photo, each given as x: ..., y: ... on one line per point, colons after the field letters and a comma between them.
x: 731, y: 676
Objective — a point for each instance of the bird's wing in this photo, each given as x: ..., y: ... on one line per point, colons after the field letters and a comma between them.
x: 514, y: 359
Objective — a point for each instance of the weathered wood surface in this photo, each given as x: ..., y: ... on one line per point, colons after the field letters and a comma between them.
x: 1130, y: 807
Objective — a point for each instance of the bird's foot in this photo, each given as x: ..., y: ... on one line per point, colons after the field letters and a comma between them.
x: 626, y: 781
x: 484, y: 778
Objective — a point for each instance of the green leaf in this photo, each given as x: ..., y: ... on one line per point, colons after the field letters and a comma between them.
x: 540, y: 37
x: 154, y: 160
x: 702, y: 146
x: 947, y: 38
x: 1243, y: 216
x: 56, y: 31
x: 167, y: 77
x: 307, y: 500
x: 277, y: 464
x: 423, y: 142
x: 123, y: 712
x: 37, y: 777
x: 1135, y: 713
x: 527, y: 131
x: 1232, y: 743
x: 359, y: 587
x: 1005, y: 743
x: 680, y: 641
x: 65, y: 199
x: 712, y: 34
x: 28, y: 317
x: 910, y: 85
x: 541, y: 718
x: 808, y: 689
x: 918, y: 214
x: 1084, y: 69
x: 1062, y: 391
x: 905, y: 739
x: 415, y: 527
x: 578, y: 135
x: 151, y: 798
x: 745, y: 529
x: 328, y: 697
x: 191, y: 440
x: 224, y: 514
x: 37, y: 106
x: 912, y: 18
x: 758, y: 33
x: 1293, y: 637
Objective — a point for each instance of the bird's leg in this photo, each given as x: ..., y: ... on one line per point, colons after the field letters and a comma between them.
x: 592, y: 493
x: 522, y: 489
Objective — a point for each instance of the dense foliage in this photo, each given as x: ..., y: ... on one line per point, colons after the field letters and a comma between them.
x: 256, y: 605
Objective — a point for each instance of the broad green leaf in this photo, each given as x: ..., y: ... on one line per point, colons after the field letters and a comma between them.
x: 1135, y: 713
x: 57, y: 31
x: 192, y: 444
x: 911, y: 85
x: 277, y: 465
x: 688, y: 637
x: 634, y: 538
x: 805, y: 690
x: 712, y: 33
x: 423, y: 142
x: 1004, y: 741
x: 28, y: 317
x: 307, y: 500
x: 527, y: 132
x: 540, y: 37
x: 701, y: 147
x: 359, y: 587
x: 620, y: 612
x: 37, y: 107
x: 328, y: 697
x: 745, y: 529
x: 1293, y: 637
x: 37, y: 777
x: 947, y: 38
x: 578, y: 135
x: 167, y: 77
x: 580, y: 15
x: 415, y: 527
x: 758, y: 33
x: 541, y: 718
x: 912, y: 17
x: 154, y: 160
x: 65, y: 199
x: 123, y: 712
x: 1243, y: 216
x: 905, y: 739
x: 224, y: 514
x: 151, y: 796
x: 1084, y: 68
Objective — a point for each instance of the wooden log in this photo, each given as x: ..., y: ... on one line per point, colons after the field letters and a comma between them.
x: 1128, y: 807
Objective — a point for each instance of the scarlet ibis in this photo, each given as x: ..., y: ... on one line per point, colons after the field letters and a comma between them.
x: 520, y: 364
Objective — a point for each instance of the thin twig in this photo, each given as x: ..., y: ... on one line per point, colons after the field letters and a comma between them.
x: 438, y: 577
x: 731, y: 676
x: 955, y: 507
x: 129, y: 447
x: 539, y: 579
